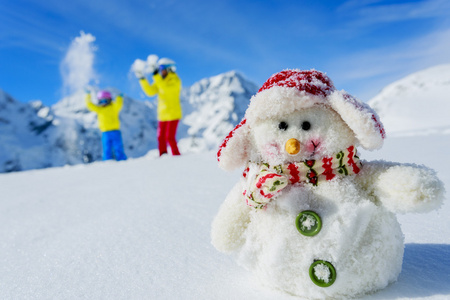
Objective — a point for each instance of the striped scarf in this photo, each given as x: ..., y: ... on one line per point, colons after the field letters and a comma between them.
x: 264, y: 182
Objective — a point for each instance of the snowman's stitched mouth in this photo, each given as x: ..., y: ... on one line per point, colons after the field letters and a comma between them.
x: 315, y: 148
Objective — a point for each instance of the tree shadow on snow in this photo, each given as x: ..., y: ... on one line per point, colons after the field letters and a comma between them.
x: 425, y: 273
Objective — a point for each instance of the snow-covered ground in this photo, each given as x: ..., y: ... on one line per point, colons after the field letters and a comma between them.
x: 139, y: 229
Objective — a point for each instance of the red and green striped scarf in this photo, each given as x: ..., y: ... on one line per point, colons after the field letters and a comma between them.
x: 264, y: 182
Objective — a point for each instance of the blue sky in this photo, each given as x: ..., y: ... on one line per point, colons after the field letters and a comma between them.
x: 362, y: 45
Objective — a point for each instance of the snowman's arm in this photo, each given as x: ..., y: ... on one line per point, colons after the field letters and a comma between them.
x: 230, y: 223
x: 402, y: 187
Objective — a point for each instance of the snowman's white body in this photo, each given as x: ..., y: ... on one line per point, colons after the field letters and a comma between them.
x: 363, y: 241
x: 360, y: 236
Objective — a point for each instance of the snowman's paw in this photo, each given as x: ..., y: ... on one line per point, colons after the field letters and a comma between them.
x: 227, y: 237
x: 410, y: 188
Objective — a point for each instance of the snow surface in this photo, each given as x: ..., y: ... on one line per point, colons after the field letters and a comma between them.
x: 140, y: 229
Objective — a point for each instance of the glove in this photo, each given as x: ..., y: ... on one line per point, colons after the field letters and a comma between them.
x: 138, y: 67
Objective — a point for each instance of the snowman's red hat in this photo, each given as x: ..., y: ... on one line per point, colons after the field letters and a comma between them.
x: 291, y: 90
x: 287, y: 91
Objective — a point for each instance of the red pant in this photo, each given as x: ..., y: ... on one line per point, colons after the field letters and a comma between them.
x: 166, y: 135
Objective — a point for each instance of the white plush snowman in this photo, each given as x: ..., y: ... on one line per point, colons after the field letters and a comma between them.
x: 308, y: 217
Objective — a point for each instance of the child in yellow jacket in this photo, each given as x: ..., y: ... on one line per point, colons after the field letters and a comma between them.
x: 167, y: 85
x: 108, y: 121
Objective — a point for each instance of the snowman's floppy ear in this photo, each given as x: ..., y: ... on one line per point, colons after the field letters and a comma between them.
x: 234, y: 151
x: 361, y: 119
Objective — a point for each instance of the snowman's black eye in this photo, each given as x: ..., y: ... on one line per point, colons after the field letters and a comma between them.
x: 283, y: 125
x: 306, y: 125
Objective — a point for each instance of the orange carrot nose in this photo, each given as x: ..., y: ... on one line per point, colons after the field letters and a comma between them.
x: 292, y: 146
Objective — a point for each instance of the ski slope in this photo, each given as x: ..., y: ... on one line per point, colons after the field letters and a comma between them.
x: 139, y: 229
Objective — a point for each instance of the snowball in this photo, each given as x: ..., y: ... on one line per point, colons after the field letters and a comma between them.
x: 139, y: 66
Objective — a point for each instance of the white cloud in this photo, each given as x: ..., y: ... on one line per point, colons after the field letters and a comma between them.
x: 370, y: 12
x: 77, y: 67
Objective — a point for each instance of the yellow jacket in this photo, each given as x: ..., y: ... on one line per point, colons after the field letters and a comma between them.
x: 168, y: 91
x: 108, y: 116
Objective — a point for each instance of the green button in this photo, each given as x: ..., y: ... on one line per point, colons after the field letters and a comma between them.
x: 322, y: 273
x: 308, y: 223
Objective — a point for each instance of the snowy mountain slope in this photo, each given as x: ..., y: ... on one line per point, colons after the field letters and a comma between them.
x: 34, y: 136
x: 21, y: 128
x: 418, y: 103
x: 217, y: 104
x: 135, y: 230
